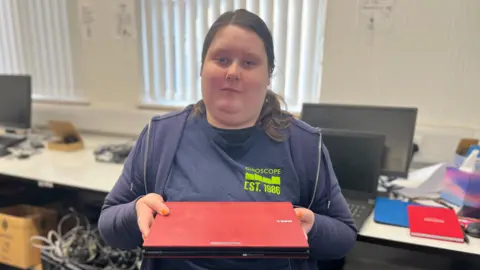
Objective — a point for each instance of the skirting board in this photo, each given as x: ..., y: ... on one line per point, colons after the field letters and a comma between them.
x: 436, y: 144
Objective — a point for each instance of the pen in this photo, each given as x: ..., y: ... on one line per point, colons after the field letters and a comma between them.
x: 465, y: 236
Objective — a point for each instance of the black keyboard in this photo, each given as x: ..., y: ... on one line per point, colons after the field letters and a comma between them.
x: 357, y: 210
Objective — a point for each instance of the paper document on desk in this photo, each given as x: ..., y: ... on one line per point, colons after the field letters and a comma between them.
x: 423, y: 182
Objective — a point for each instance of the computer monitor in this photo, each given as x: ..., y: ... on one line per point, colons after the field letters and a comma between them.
x: 396, y: 123
x: 15, y: 101
x: 355, y: 175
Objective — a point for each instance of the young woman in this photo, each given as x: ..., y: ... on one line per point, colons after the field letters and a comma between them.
x: 236, y: 129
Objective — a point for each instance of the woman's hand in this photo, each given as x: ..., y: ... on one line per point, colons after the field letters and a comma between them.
x: 307, y: 218
x: 146, y: 207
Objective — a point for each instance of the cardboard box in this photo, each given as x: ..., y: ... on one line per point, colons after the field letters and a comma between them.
x: 17, y: 225
x: 462, y: 151
x: 464, y: 144
x: 68, y: 138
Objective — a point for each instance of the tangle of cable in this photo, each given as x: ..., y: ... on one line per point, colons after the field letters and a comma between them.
x: 83, y: 246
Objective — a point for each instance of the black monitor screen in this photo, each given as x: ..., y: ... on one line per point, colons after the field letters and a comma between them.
x: 356, y: 158
x: 15, y: 101
x: 396, y: 123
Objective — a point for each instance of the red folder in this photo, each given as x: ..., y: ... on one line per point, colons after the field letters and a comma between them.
x: 435, y: 223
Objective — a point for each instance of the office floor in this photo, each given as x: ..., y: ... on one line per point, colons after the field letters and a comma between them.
x: 373, y: 257
x: 368, y: 256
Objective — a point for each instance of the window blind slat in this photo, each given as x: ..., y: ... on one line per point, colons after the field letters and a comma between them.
x: 34, y: 46
x: 279, y: 38
x: 179, y: 48
x: 157, y: 50
x: 240, y: 4
x: 191, y: 51
x: 318, y: 58
x: 308, y: 26
x: 17, y: 30
x: 148, y: 48
x: 266, y: 12
x: 252, y: 6
x: 24, y: 38
x: 202, y: 28
x: 294, y: 25
x: 169, y: 51
x: 10, y: 42
x: 226, y: 5
x: 51, y: 52
x: 213, y: 11
x: 59, y: 45
x: 3, y: 42
x: 61, y: 16
x: 45, y: 64
x: 291, y: 62
x: 5, y: 48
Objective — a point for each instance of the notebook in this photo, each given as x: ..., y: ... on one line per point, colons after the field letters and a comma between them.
x: 435, y: 223
x: 227, y: 229
x: 391, y: 212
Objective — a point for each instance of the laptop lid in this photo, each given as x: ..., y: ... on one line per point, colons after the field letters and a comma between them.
x: 357, y: 159
x: 206, y: 225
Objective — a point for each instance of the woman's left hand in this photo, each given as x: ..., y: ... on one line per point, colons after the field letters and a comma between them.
x: 307, y: 218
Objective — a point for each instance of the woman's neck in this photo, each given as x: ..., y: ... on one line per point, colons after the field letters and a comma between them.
x: 218, y: 123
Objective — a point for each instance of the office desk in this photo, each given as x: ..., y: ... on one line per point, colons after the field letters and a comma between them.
x: 74, y: 169
x: 400, y: 237
x: 80, y: 170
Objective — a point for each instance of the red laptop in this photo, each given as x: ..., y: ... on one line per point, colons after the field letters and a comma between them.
x: 227, y: 230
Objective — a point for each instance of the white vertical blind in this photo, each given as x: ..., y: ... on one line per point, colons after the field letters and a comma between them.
x: 35, y: 40
x: 173, y: 34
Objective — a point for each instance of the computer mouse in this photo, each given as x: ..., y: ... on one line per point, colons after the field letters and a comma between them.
x: 473, y: 229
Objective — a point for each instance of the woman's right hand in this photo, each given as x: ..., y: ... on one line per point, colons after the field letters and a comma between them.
x: 146, y: 207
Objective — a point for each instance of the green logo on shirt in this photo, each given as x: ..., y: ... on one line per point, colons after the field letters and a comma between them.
x: 262, y: 180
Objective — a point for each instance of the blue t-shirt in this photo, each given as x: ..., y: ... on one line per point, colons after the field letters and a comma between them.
x: 208, y: 168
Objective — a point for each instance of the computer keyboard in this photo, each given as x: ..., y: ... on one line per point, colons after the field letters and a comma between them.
x: 356, y: 210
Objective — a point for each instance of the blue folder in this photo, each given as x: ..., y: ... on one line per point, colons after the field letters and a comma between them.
x: 391, y: 212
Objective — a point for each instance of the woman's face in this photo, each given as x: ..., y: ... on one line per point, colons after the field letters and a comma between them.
x: 235, y: 78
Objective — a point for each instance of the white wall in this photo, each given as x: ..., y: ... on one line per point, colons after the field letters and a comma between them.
x: 429, y: 58
x: 108, y: 70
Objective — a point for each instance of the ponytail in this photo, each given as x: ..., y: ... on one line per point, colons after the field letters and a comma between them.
x: 273, y: 119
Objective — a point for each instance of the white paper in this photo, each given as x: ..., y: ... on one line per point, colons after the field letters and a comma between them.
x: 423, y: 182
x: 124, y: 20
x: 469, y: 165
x: 86, y: 18
x: 379, y: 13
x: 369, y: 7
